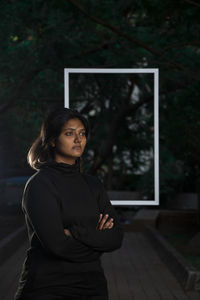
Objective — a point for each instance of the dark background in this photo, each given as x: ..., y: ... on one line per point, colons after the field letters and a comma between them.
x: 40, y: 38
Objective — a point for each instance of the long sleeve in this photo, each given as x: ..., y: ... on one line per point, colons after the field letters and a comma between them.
x: 101, y: 240
x: 41, y: 207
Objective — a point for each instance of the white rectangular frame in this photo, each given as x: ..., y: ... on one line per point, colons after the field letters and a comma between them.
x: 67, y: 71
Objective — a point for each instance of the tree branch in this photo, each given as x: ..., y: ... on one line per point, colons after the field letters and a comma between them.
x: 132, y: 39
x: 113, y: 128
x: 105, y: 44
x: 192, y: 2
x: 130, y: 90
x: 193, y: 43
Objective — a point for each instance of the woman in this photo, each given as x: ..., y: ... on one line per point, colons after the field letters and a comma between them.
x: 69, y: 218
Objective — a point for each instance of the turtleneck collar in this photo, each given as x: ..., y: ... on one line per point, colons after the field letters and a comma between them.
x: 64, y: 168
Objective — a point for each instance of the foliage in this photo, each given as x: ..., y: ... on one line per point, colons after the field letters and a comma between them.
x: 40, y: 38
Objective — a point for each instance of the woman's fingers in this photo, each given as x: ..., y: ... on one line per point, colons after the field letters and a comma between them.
x: 109, y: 224
x: 103, y: 223
x: 67, y: 232
x: 100, y: 217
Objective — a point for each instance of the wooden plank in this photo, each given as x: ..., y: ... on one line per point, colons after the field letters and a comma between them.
x: 127, y: 284
x: 133, y: 272
x: 134, y: 281
x: 147, y: 214
x: 193, y: 295
x: 185, y: 273
x: 155, y: 268
x: 165, y: 280
x: 137, y: 259
x: 120, y: 273
x: 144, y: 217
x: 109, y: 273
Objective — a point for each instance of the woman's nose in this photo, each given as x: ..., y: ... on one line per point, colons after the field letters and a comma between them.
x: 77, y: 137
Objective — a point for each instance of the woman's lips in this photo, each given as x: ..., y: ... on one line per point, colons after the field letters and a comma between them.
x: 77, y: 147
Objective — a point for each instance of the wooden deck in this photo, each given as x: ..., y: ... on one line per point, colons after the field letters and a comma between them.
x: 134, y: 272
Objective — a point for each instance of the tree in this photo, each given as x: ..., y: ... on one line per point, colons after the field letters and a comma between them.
x: 40, y: 38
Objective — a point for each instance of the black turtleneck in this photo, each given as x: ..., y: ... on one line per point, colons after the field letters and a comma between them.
x: 58, y: 196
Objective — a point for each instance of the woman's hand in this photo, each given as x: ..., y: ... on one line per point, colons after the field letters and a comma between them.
x: 67, y: 232
x: 103, y: 224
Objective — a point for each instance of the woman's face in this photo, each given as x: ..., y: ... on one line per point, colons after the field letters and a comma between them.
x: 71, y: 142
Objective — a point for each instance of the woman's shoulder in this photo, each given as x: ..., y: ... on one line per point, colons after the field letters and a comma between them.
x: 39, y: 177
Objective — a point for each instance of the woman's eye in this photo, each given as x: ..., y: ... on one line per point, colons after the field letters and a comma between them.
x: 69, y: 133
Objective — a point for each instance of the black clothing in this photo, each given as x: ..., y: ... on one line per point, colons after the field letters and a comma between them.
x: 58, y: 196
x: 54, y: 297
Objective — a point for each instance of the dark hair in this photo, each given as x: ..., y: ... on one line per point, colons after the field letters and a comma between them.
x: 41, y: 150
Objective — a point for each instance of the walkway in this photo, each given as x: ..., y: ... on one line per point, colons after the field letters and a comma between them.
x: 134, y: 272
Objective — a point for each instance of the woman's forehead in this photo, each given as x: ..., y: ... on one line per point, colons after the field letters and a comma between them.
x: 74, y: 123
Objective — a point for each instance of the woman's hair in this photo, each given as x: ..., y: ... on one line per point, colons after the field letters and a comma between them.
x: 41, y: 150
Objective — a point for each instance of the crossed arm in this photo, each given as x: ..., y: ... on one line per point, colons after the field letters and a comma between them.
x: 98, y: 238
x: 40, y: 205
x: 101, y: 225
